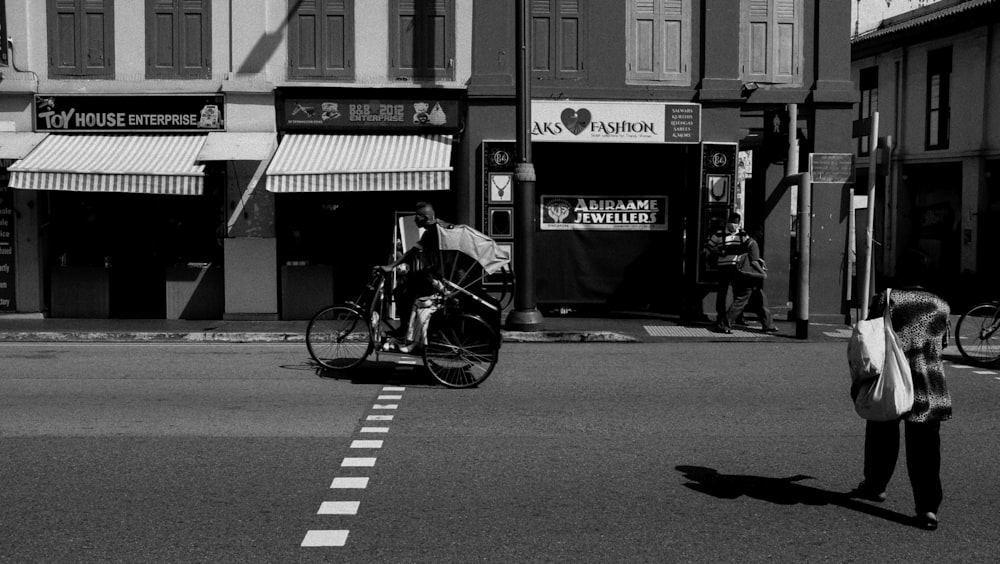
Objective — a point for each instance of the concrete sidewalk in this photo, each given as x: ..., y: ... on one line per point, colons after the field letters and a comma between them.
x: 619, y: 327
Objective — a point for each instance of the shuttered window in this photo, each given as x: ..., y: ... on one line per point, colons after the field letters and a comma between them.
x: 321, y: 39
x: 422, y: 39
x: 81, y: 38
x: 659, y: 41
x: 4, y: 55
x: 938, y: 98
x: 178, y: 39
x: 771, y: 41
x: 557, y: 39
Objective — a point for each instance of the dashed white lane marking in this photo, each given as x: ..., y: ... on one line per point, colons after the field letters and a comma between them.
x: 339, y: 508
x: 983, y: 372
x: 357, y: 463
x: 338, y: 537
x: 960, y: 366
x: 349, y: 483
x: 366, y: 444
x: 325, y: 538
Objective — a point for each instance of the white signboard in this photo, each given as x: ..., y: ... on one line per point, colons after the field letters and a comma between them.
x: 579, y: 121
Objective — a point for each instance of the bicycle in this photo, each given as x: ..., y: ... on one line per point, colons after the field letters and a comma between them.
x: 978, y: 333
x: 462, y: 336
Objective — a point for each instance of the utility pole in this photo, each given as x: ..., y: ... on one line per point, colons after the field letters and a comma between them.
x: 866, y: 276
x: 525, y: 315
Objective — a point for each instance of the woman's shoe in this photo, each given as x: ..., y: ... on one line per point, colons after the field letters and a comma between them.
x: 927, y: 521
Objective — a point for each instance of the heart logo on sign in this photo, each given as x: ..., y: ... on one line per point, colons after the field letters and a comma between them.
x: 575, y: 120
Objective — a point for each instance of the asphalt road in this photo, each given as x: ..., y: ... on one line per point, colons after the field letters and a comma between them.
x: 673, y: 452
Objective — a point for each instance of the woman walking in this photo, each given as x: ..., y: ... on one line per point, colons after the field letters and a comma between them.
x: 920, y: 319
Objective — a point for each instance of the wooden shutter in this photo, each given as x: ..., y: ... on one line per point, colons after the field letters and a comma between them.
x: 81, y: 38
x: 337, y: 38
x: 787, y: 46
x: 422, y: 36
x: 321, y: 39
x: 178, y: 38
x: 771, y: 49
x: 542, y: 17
x: 569, y: 39
x: 675, y: 34
x: 659, y: 41
x: 756, y: 35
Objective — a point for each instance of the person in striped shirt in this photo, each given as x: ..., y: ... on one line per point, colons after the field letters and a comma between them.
x: 725, y: 246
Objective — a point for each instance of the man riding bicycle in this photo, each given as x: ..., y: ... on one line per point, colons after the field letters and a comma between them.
x: 423, y: 260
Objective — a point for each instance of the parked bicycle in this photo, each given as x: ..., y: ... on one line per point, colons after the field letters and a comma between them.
x: 978, y: 333
x: 461, y: 335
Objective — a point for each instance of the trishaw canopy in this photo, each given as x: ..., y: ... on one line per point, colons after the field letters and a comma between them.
x: 474, y: 244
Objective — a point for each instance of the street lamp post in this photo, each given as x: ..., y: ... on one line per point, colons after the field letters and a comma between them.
x: 525, y: 315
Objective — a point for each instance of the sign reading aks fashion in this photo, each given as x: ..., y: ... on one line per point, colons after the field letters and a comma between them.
x: 615, y: 122
x: 610, y: 213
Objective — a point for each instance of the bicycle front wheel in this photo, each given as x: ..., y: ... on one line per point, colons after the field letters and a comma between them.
x: 461, y: 350
x: 978, y: 333
x: 339, y: 337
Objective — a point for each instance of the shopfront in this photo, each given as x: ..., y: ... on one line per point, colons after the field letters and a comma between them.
x: 348, y: 162
x: 131, y: 213
x: 618, y: 188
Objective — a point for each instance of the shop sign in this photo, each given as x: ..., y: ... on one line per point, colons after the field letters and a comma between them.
x: 359, y: 115
x: 615, y: 122
x: 130, y: 113
x: 607, y: 213
x: 7, y: 303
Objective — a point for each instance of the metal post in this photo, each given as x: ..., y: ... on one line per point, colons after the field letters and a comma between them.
x: 525, y: 315
x: 804, y: 237
x: 866, y: 276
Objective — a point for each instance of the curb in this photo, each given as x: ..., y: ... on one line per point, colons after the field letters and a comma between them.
x: 227, y: 337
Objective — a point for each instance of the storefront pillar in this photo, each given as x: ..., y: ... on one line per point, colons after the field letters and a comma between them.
x: 27, y: 249
x: 250, y: 248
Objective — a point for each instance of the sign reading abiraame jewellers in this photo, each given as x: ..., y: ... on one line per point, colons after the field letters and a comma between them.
x: 359, y: 115
x: 618, y: 213
x: 615, y: 122
x: 130, y: 113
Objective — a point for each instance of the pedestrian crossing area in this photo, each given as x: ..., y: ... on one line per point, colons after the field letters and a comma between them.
x: 706, y: 332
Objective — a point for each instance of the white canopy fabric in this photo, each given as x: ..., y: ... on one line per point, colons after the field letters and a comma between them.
x: 138, y: 164
x: 360, y: 163
x: 473, y: 243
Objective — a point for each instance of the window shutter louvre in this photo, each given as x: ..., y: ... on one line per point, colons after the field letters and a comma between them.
x: 786, y: 42
x: 756, y: 40
x: 570, y: 39
x: 674, y: 38
x: 643, y: 43
x: 542, y: 16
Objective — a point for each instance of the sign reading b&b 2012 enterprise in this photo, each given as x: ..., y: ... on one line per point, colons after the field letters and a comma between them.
x: 578, y: 121
x: 103, y: 113
x: 618, y: 213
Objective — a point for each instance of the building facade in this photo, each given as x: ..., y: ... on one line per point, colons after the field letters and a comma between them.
x: 250, y: 158
x: 929, y: 74
x: 651, y: 121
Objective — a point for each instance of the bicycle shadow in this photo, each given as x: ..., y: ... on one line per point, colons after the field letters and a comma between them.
x: 372, y: 372
x: 780, y: 491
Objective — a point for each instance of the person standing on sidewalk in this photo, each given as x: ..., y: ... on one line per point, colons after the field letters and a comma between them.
x: 725, y: 246
x: 920, y: 319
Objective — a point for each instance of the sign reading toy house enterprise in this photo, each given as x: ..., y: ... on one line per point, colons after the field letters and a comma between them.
x: 618, y: 213
x: 577, y: 121
x: 432, y: 115
x: 130, y: 113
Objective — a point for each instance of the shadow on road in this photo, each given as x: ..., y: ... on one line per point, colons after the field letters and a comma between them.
x: 378, y: 373
x: 782, y: 491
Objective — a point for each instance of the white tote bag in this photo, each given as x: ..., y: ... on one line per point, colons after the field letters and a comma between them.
x: 877, y: 360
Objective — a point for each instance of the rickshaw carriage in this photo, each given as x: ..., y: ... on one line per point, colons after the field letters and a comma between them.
x: 459, y: 324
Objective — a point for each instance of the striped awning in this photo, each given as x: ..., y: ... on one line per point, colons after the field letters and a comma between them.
x: 360, y: 163
x: 139, y: 164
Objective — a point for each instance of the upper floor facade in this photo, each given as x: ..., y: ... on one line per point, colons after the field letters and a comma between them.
x: 632, y: 48
x: 136, y: 46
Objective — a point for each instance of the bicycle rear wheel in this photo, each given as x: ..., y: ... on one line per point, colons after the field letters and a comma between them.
x: 978, y: 333
x: 461, y: 350
x: 339, y: 337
